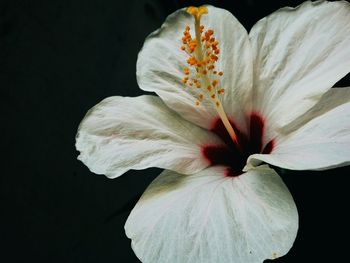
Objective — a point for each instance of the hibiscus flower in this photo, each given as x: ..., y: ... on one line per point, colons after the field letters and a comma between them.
x: 229, y: 104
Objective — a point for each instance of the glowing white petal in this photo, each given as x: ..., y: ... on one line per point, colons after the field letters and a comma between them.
x: 207, y: 217
x: 299, y: 54
x: 323, y: 140
x: 122, y: 133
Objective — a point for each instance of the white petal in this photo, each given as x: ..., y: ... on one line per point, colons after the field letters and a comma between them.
x: 122, y: 133
x: 333, y: 98
x: 208, y: 217
x: 322, y: 143
x: 161, y: 61
x: 299, y: 54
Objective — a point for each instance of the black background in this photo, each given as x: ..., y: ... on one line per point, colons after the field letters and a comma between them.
x: 58, y: 59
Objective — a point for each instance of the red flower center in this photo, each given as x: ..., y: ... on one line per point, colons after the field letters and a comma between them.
x: 232, y: 155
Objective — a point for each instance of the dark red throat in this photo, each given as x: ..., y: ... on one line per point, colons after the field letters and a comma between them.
x: 232, y: 155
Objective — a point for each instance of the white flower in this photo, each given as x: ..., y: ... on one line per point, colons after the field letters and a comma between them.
x: 275, y: 100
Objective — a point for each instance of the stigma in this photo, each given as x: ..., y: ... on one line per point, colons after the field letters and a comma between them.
x: 201, y: 71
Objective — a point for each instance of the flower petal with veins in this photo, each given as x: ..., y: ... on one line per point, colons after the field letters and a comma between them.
x: 299, y: 53
x: 122, y: 133
x: 210, y: 218
x: 322, y: 143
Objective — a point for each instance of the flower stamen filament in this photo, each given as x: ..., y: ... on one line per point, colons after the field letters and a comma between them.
x: 204, y: 65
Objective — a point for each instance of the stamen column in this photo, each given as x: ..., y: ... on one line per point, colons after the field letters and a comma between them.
x: 197, y: 13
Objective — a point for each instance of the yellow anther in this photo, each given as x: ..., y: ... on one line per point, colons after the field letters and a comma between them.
x: 205, y: 72
x: 209, y: 88
x: 183, y: 48
x: 187, y: 71
x: 192, y: 45
x: 221, y: 91
x: 217, y: 103
x: 215, y: 58
x: 211, y: 67
x: 187, y: 28
x: 214, y: 72
x: 191, y: 61
x: 215, y: 82
x: 197, y: 103
x: 221, y: 73
x: 184, y: 80
x: 198, y: 85
x: 200, y: 97
x: 213, y: 96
